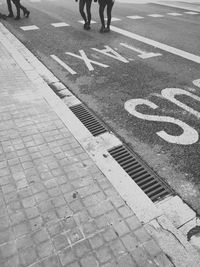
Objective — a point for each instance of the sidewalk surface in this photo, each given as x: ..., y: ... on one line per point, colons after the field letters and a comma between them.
x: 56, y: 206
x: 57, y: 209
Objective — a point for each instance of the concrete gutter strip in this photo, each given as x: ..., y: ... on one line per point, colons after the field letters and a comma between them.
x: 171, y: 240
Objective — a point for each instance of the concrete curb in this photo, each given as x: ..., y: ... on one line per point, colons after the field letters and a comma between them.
x: 156, y: 223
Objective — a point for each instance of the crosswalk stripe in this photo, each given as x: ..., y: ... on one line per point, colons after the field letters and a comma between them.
x: 191, y: 13
x: 82, y: 21
x: 29, y: 28
x: 174, y: 14
x: 135, y: 17
x: 156, y: 15
x: 59, y: 24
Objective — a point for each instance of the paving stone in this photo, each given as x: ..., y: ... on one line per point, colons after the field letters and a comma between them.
x: 67, y: 256
x: 28, y: 256
x: 142, y: 235
x: 125, y: 211
x: 21, y: 229
x: 163, y: 261
x: 117, y: 247
x: 96, y: 241
x: 89, y: 261
x: 130, y: 242
x: 109, y: 234
x: 56, y: 228
x: 45, y: 249
x: 126, y: 261
x: 104, y: 254
x: 141, y: 257
x: 152, y: 248
x: 82, y: 248
x: 51, y: 261
x: 60, y: 241
x: 133, y: 222
x: 89, y: 228
x: 75, y: 235
x: 7, y: 250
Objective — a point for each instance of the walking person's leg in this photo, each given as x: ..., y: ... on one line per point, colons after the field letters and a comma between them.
x: 109, y: 14
x: 17, y: 5
x: 10, y: 14
x: 88, y: 9
x: 81, y: 10
x: 102, y: 5
x: 25, y: 11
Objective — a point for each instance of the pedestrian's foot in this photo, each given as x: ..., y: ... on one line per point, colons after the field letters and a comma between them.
x: 102, y: 30
x: 87, y: 27
x: 26, y: 13
x: 10, y: 15
x: 17, y: 18
x: 107, y: 29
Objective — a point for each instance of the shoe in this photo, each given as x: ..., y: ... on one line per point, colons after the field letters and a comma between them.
x: 87, y: 26
x: 26, y: 13
x: 10, y: 15
x: 102, y: 30
x: 107, y: 29
x: 17, y: 18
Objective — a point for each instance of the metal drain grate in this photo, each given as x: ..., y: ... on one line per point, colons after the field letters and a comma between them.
x: 90, y: 122
x: 153, y: 187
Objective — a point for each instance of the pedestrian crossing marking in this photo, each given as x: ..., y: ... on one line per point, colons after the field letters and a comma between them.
x: 191, y: 13
x: 134, y: 17
x: 114, y: 19
x: 174, y: 14
x: 156, y: 15
x: 29, y: 28
x: 59, y: 24
x: 83, y: 22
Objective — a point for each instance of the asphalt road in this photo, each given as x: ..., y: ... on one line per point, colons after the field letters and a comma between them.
x: 122, y: 75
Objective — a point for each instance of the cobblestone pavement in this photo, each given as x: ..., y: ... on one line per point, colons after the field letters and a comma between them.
x: 56, y: 207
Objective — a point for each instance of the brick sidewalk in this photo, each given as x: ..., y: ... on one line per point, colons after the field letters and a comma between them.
x: 56, y: 207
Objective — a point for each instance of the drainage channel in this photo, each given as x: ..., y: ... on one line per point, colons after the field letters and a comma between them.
x: 153, y: 186
x: 88, y: 119
x: 148, y: 181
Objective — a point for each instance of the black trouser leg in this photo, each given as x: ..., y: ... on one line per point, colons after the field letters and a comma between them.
x: 88, y: 9
x: 9, y: 7
x: 102, y: 5
x: 17, y: 5
x: 81, y: 9
x: 109, y: 10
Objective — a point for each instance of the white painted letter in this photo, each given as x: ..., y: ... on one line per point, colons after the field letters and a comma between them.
x: 197, y: 82
x: 63, y: 64
x: 111, y: 53
x: 189, y: 135
x: 170, y: 93
x: 87, y: 60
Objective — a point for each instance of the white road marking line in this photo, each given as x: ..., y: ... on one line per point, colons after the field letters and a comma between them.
x: 65, y: 66
x: 174, y: 14
x: 156, y: 15
x: 82, y: 21
x: 59, y: 24
x: 29, y: 28
x: 143, y: 54
x: 34, y: 1
x: 191, y: 13
x: 170, y: 49
x: 114, y: 19
x: 134, y: 17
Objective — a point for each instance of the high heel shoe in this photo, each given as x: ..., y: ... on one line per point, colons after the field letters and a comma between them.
x: 26, y: 13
